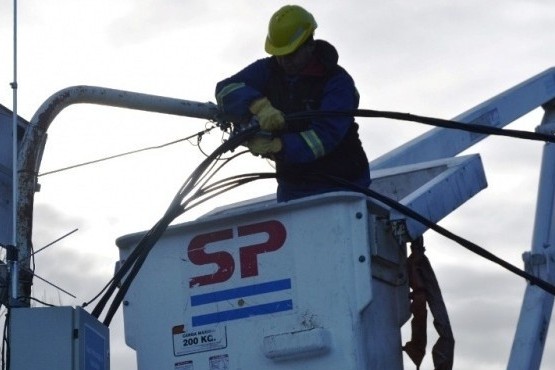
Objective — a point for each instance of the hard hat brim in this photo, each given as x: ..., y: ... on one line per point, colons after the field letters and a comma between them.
x: 289, y: 48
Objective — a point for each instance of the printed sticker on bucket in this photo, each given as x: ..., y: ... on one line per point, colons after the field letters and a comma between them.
x: 184, y: 365
x: 220, y: 362
x: 208, y: 339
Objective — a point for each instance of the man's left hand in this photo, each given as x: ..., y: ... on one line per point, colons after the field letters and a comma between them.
x: 269, y: 118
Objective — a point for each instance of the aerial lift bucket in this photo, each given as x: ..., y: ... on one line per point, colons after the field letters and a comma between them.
x: 317, y: 283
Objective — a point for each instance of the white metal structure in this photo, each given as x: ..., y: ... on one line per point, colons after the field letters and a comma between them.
x: 499, y: 111
x: 537, y: 306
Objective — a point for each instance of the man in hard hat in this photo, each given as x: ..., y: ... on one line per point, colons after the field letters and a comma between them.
x: 301, y: 75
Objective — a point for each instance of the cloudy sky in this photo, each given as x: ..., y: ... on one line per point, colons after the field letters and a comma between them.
x: 429, y: 57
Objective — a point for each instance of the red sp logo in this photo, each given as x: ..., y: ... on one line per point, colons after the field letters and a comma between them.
x: 247, y: 255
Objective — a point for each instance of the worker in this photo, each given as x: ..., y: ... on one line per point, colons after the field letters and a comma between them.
x: 301, y: 75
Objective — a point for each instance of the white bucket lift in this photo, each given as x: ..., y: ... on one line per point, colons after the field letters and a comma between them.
x: 316, y: 283
x: 272, y: 286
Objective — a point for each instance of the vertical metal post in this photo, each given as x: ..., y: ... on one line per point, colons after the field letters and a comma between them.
x: 537, y: 305
x: 14, y: 270
x: 12, y: 259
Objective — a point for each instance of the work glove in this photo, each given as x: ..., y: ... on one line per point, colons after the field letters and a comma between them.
x: 269, y: 118
x: 264, y: 146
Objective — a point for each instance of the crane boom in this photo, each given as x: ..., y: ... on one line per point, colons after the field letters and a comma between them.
x: 498, y: 111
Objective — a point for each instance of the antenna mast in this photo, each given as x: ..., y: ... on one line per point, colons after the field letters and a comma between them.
x: 13, y: 264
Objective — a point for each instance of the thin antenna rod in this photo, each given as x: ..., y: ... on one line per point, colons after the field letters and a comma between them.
x: 47, y: 245
x: 14, y: 122
x: 55, y: 286
x: 15, y: 270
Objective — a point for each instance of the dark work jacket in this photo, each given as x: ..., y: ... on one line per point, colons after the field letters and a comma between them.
x: 323, y: 85
x: 346, y: 161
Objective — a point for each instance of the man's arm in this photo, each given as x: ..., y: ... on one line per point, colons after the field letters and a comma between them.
x: 235, y: 94
x: 324, y: 133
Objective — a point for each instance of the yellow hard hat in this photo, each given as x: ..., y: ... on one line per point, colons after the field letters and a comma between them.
x: 289, y: 28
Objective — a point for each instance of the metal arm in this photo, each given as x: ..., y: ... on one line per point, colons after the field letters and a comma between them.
x: 33, y: 142
x: 498, y: 111
x: 537, y: 305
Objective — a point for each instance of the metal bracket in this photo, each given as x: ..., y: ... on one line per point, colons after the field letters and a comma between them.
x: 399, y: 231
x: 536, y: 263
x: 546, y: 129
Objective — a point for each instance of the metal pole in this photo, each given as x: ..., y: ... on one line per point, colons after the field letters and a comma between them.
x: 33, y: 142
x: 14, y: 270
x: 537, y: 305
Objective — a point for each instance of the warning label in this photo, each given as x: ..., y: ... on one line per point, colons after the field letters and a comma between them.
x: 184, y: 365
x: 208, y: 339
x: 220, y: 362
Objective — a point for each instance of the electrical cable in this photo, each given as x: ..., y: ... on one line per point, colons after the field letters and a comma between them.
x: 202, y: 189
x: 198, y: 134
x: 149, y: 242
x: 137, y: 257
x: 178, y: 206
x: 6, y: 342
x: 110, y: 287
x: 471, y: 127
x: 106, y: 286
x: 225, y: 187
x: 534, y: 280
x: 37, y: 300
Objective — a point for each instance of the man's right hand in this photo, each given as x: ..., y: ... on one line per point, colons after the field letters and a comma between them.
x: 269, y: 118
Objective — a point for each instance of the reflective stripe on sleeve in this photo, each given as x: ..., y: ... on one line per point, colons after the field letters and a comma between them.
x: 228, y: 89
x: 314, y: 143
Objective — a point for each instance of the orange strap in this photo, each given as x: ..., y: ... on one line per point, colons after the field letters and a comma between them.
x: 425, y: 290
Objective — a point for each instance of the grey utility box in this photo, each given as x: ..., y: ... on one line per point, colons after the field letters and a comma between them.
x: 57, y: 338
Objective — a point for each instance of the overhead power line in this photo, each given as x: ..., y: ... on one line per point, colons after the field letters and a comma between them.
x: 438, y: 122
x: 198, y: 135
x: 432, y: 121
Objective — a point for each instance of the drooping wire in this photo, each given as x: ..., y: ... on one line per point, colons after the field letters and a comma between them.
x: 6, y: 342
x: 225, y: 185
x: 39, y: 301
x: 470, y: 127
x: 179, y: 204
x: 548, y: 287
x: 147, y: 243
x: 197, y: 135
x: 202, y: 195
